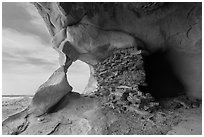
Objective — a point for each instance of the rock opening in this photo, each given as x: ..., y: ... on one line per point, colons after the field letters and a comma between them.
x: 78, y: 76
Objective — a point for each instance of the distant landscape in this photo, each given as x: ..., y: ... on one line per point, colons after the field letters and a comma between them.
x: 17, y: 95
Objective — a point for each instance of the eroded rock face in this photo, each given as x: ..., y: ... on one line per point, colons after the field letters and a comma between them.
x: 122, y: 84
x: 51, y: 92
x: 120, y: 106
x: 92, y: 32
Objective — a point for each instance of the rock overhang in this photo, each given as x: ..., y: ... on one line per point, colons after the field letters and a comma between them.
x: 91, y: 32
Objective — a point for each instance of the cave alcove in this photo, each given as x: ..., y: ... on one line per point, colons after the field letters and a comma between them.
x: 161, y: 80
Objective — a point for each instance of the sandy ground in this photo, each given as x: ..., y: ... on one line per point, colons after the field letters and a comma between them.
x: 175, y: 119
x: 11, y: 106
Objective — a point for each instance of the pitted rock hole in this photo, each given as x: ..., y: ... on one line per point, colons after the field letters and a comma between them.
x: 78, y: 76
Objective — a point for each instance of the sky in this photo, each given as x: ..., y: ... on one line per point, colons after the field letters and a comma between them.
x: 28, y: 59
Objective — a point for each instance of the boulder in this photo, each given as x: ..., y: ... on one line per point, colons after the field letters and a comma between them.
x: 51, y: 92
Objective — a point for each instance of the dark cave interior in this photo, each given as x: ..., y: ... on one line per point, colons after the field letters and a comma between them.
x: 160, y: 77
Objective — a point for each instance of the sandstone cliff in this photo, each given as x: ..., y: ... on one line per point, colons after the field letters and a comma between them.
x: 139, y: 54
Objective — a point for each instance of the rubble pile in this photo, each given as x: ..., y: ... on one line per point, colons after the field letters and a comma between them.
x: 120, y: 78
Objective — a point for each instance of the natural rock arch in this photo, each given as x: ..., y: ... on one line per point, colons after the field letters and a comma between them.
x: 91, y: 32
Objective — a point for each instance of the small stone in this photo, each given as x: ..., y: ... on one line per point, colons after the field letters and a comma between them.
x: 40, y: 119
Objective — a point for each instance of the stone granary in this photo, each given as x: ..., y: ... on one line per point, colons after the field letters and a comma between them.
x: 138, y: 53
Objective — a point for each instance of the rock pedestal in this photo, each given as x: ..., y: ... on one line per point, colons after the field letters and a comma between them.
x: 51, y: 92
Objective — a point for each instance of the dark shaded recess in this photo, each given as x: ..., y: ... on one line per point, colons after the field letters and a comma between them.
x: 160, y: 78
x: 63, y: 102
x: 72, y: 7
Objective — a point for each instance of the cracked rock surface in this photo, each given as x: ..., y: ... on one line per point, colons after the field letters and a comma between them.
x: 121, y: 78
